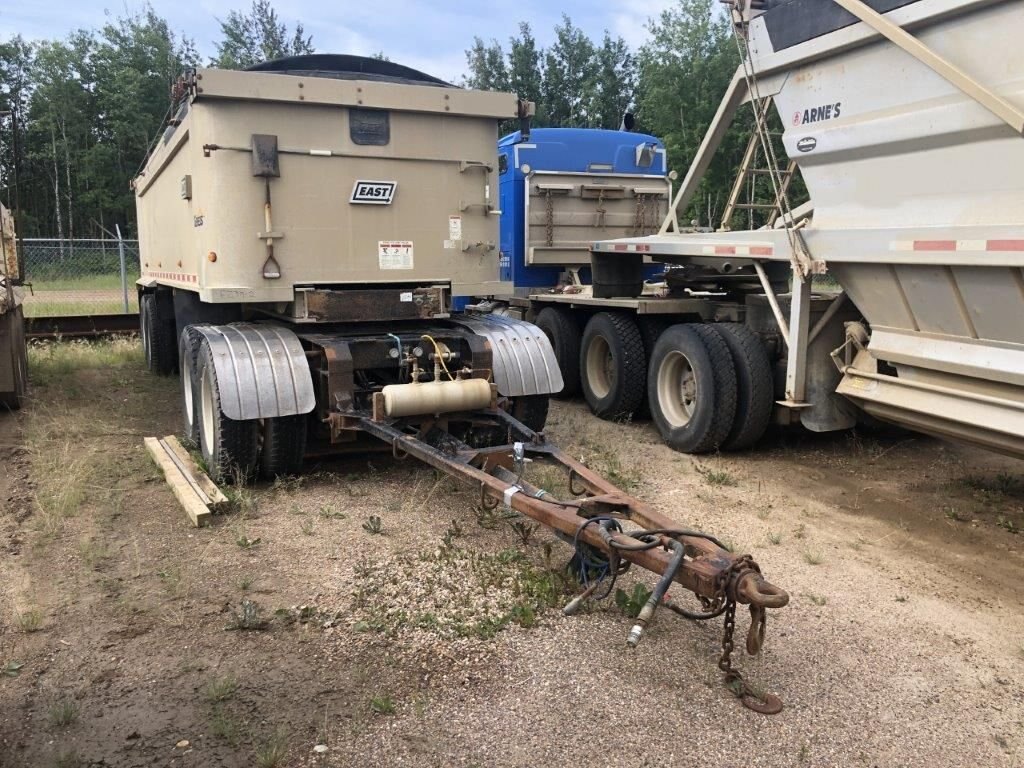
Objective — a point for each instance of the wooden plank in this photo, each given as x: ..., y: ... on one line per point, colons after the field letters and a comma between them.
x: 185, y: 492
x: 217, y: 500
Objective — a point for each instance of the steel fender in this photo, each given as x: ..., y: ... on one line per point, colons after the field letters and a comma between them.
x: 261, y: 370
x: 522, y: 358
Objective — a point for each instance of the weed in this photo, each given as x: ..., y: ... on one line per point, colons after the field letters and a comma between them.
x: 524, y: 615
x: 221, y: 688
x: 245, y: 542
x: 382, y: 705
x: 805, y: 752
x: 272, y: 752
x: 813, y: 557
x: 30, y: 620
x: 245, y: 583
x: 11, y: 669
x: 453, y: 532
x: 1008, y: 524
x: 63, y: 713
x: 817, y: 599
x: 800, y: 531
x: 775, y: 537
x: 952, y: 513
x: 524, y: 530
x: 373, y: 525
x: 901, y: 598
x: 307, y: 527
x: 764, y: 512
x: 248, y: 617
x: 68, y: 759
x: 488, y: 519
x: 330, y: 513
x: 287, y: 483
x: 717, y: 477
x: 631, y: 603
x: 224, y: 725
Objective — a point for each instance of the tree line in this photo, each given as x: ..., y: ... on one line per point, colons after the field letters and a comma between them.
x: 78, y: 115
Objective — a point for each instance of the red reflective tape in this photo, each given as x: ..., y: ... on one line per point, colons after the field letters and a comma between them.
x: 643, y: 248
x: 935, y: 245
x: 761, y: 250
x: 619, y: 247
x: 725, y: 250
x: 1004, y: 245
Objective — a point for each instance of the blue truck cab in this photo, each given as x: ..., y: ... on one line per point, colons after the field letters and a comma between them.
x: 562, y: 188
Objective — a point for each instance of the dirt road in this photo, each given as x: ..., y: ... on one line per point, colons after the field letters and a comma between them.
x: 128, y: 638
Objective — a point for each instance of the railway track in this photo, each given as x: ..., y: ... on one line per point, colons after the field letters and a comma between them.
x: 80, y: 326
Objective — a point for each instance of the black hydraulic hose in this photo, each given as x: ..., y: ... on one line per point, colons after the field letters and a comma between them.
x: 647, y: 612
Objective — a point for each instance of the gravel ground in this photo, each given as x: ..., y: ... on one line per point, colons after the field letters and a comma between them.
x: 902, y: 645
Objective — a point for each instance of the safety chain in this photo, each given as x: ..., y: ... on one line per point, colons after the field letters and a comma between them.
x: 640, y: 216
x: 758, y: 701
x: 550, y: 223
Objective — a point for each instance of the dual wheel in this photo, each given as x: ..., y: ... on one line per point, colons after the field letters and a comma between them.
x: 232, y: 449
x: 705, y: 386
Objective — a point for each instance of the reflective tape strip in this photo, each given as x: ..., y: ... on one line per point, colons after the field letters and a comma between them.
x: 976, y: 246
x: 739, y: 250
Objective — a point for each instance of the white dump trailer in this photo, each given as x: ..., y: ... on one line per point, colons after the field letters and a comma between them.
x: 13, y: 350
x: 905, y: 118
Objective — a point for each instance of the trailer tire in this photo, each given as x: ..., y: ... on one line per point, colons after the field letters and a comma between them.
x: 650, y: 329
x: 188, y: 354
x: 15, y: 333
x: 283, y: 446
x: 691, y: 388
x: 158, y: 336
x: 755, y: 386
x: 531, y: 410
x: 563, y: 331
x: 613, y: 366
x: 229, y: 447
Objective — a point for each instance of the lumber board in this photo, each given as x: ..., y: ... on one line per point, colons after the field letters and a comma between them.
x: 185, y: 491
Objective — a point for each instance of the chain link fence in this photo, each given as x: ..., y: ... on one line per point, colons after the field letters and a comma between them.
x: 80, y: 277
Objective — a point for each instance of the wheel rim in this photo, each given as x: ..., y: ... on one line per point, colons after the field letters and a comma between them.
x: 677, y: 389
x: 186, y: 383
x: 600, y: 367
x: 208, y: 413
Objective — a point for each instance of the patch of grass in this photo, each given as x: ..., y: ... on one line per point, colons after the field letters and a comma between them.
x: 1007, y: 524
x: 901, y: 598
x: 63, y: 713
x: 307, y: 527
x: 29, y: 621
x: 287, y: 483
x: 248, y: 617
x: 69, y: 759
x: 453, y: 532
x: 813, y: 557
x: 272, y: 752
x: 11, y: 668
x: 952, y: 513
x: 221, y: 688
x: 330, y: 513
x: 718, y: 477
x: 224, y: 725
x: 775, y: 537
x: 817, y: 599
x: 800, y: 532
x: 245, y: 582
x: 93, y: 552
x: 382, y: 705
x: 373, y: 525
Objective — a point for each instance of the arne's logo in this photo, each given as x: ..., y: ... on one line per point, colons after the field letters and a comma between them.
x: 817, y: 114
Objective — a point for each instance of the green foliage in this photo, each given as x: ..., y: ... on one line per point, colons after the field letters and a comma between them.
x: 373, y: 525
x: 685, y: 69
x: 631, y: 603
x: 257, y: 36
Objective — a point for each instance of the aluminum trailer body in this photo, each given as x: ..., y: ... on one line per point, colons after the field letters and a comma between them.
x: 906, y: 121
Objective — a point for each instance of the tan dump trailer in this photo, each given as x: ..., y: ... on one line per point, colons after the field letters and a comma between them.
x: 304, y: 228
x: 905, y: 118
x: 13, y: 351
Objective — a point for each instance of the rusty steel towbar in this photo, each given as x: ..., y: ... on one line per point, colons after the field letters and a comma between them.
x: 596, y: 524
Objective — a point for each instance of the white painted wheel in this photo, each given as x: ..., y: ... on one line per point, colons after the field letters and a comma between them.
x: 677, y: 389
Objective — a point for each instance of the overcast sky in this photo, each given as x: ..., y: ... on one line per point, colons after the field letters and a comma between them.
x: 431, y: 35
